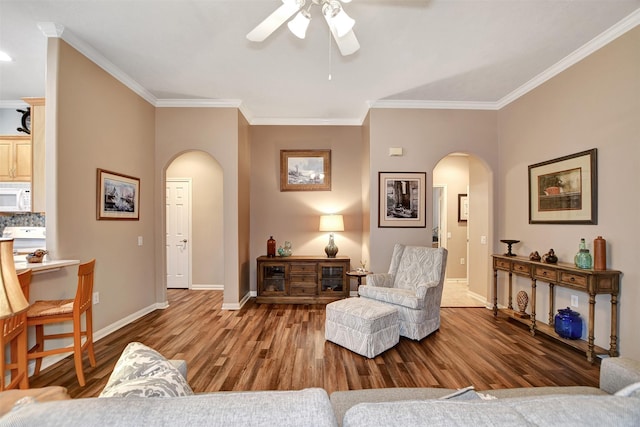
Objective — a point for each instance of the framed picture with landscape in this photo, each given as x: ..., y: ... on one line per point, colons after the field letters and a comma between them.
x: 402, y: 199
x: 564, y: 190
x: 118, y: 196
x: 305, y: 170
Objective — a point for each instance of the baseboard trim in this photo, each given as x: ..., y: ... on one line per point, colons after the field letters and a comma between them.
x: 98, y: 335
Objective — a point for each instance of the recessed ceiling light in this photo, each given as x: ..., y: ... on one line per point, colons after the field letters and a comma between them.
x: 4, y: 57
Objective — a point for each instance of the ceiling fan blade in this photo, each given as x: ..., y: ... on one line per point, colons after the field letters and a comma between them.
x: 275, y: 20
x: 348, y: 43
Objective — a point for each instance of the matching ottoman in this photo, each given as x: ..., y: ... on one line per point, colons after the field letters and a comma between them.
x: 364, y: 326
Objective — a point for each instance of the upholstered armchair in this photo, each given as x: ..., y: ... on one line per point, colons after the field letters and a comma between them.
x: 413, y: 286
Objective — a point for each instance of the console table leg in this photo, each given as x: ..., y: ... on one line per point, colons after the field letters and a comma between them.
x: 613, y: 347
x: 591, y: 337
x: 510, y: 290
x: 551, y: 304
x: 495, y: 292
x: 533, y: 307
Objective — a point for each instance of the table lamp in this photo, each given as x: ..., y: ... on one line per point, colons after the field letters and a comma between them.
x: 331, y: 223
x: 12, y: 300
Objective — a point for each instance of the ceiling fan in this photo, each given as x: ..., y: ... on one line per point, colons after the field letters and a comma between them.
x: 340, y: 24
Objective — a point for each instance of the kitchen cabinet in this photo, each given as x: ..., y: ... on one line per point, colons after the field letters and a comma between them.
x: 302, y: 279
x: 15, y: 158
x: 37, y: 153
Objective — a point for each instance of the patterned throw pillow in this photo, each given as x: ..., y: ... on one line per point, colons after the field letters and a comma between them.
x: 143, y: 372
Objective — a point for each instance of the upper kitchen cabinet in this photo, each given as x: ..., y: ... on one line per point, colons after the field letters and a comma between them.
x: 15, y: 158
x: 37, y: 153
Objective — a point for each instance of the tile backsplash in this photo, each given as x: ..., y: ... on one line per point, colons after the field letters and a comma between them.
x: 25, y: 220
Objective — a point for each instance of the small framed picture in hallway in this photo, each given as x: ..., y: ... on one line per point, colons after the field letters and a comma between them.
x: 118, y: 196
x: 402, y: 199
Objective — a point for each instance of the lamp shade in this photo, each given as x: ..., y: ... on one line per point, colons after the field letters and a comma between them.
x: 331, y: 223
x: 12, y: 300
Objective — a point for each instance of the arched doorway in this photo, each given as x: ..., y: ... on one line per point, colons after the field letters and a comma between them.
x: 467, y: 181
x: 206, y: 255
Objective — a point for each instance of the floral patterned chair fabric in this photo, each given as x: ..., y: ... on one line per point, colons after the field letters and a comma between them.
x: 413, y: 286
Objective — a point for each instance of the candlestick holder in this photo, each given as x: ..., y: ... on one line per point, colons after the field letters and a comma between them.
x: 509, y: 243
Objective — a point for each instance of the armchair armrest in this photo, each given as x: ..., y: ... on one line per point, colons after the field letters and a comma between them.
x: 382, y: 280
x: 617, y: 373
x: 422, y: 288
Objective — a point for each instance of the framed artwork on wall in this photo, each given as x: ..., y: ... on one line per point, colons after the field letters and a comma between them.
x: 305, y: 170
x: 402, y: 199
x: 118, y: 196
x: 564, y: 190
x: 463, y: 208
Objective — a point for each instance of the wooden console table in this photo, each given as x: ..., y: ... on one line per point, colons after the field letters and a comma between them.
x: 565, y: 275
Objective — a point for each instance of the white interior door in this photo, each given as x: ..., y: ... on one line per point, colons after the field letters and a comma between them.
x: 178, y: 216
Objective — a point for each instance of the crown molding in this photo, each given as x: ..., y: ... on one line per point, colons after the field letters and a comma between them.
x: 191, y: 103
x: 433, y: 105
x: 628, y: 23
x: 51, y: 29
x: 303, y: 121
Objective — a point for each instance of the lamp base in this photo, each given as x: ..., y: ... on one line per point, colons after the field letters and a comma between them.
x: 331, y: 249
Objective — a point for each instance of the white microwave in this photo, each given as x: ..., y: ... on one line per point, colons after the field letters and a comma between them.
x: 15, y: 197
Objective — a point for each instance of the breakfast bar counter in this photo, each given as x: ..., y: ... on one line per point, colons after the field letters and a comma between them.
x: 45, y: 266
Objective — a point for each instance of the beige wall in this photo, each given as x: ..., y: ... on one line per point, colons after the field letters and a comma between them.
x: 427, y: 136
x: 244, y: 207
x: 214, y: 131
x: 480, y: 225
x: 96, y: 122
x: 295, y: 215
x: 594, y: 104
x: 454, y: 172
x: 207, y: 255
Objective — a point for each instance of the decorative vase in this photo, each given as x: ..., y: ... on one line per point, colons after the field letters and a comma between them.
x: 568, y: 324
x: 599, y: 253
x: 271, y: 247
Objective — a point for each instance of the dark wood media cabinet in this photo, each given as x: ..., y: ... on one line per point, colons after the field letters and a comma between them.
x: 302, y: 279
x: 591, y: 281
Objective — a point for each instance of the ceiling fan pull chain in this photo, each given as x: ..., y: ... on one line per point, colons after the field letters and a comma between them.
x: 330, y: 55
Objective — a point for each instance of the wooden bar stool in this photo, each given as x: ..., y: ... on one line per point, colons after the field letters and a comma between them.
x: 56, y: 311
x: 14, y: 334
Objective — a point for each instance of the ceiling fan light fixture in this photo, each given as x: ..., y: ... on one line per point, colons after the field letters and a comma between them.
x: 337, y: 17
x: 299, y: 24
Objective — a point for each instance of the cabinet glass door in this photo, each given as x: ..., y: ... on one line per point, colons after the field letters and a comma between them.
x: 332, y: 278
x: 273, y: 279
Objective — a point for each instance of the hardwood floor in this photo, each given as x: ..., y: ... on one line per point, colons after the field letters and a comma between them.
x: 278, y: 347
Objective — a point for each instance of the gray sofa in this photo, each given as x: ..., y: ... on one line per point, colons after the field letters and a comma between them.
x: 566, y: 406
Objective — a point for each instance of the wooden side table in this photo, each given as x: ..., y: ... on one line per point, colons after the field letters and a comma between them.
x: 358, y: 275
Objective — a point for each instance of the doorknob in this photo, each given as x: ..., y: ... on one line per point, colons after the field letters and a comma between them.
x: 184, y: 240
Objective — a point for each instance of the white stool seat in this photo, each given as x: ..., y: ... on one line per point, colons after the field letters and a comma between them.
x: 362, y: 325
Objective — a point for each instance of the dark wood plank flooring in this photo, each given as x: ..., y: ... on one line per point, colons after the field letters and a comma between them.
x: 280, y: 347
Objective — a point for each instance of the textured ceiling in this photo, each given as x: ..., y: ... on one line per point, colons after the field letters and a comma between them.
x: 449, y: 53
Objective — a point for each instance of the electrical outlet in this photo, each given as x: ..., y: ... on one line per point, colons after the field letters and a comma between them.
x: 462, y: 261
x: 574, y: 300
x: 96, y: 297
x: 483, y: 240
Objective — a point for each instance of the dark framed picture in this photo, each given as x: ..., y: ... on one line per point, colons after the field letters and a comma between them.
x: 118, y: 196
x: 305, y: 170
x: 463, y: 208
x: 402, y: 199
x: 564, y: 190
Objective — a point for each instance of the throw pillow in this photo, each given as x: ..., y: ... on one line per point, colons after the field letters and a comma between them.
x: 632, y: 390
x: 143, y: 372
